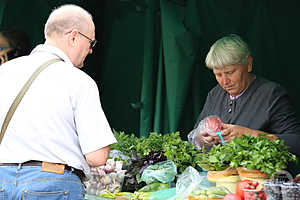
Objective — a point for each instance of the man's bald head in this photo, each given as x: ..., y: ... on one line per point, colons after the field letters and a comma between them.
x: 66, y: 18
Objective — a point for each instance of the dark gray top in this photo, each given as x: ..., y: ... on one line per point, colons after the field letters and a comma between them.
x: 264, y: 106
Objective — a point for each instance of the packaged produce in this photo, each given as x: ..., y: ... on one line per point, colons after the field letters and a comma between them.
x: 232, y: 196
x: 297, y: 179
x: 279, y: 185
x: 108, y: 177
x: 214, y: 176
x: 211, y: 124
x: 290, y: 191
x: 227, y: 178
x: 187, y: 182
x: 153, y: 187
x: 273, y: 190
x: 189, y: 186
x: 163, y: 172
x: 163, y: 194
x: 228, y: 182
x: 209, y: 193
x: 251, y: 173
x: 253, y: 194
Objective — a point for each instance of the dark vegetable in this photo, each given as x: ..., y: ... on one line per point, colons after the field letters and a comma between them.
x: 134, y: 172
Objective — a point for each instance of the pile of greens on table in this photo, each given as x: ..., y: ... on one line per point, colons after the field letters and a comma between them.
x: 148, y: 151
x: 249, y: 152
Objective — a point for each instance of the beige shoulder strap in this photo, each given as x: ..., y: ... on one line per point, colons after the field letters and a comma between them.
x: 21, y: 94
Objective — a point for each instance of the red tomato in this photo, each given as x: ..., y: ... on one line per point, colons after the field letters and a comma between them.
x: 213, y: 124
x: 255, y: 184
x: 244, y: 184
x: 232, y: 196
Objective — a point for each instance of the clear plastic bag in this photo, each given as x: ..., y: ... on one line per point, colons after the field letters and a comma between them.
x: 153, y: 187
x: 211, y: 125
x: 187, y: 182
x: 163, y: 172
x: 163, y: 194
x: 118, y: 155
x: 108, y: 177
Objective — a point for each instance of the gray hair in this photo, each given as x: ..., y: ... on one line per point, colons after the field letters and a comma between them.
x: 229, y: 50
x: 65, y: 18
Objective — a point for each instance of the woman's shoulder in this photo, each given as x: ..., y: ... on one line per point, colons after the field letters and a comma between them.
x: 217, y: 90
x: 264, y: 83
x: 267, y: 87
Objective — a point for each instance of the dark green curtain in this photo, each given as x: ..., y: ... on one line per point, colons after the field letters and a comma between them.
x: 149, y: 64
x: 188, y: 29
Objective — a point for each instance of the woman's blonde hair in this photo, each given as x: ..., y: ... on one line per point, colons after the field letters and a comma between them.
x: 228, y: 50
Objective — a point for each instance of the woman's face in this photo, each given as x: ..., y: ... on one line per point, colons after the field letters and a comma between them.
x: 234, y: 78
x: 3, y: 49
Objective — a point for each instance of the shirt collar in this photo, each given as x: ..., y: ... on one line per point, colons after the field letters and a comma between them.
x: 237, y: 96
x: 51, y: 50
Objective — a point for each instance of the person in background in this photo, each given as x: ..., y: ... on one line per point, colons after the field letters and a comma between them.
x: 246, y: 103
x: 59, y: 129
x: 13, y: 43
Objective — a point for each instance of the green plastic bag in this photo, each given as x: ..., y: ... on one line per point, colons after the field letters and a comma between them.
x: 163, y: 194
x: 153, y: 187
x: 163, y: 172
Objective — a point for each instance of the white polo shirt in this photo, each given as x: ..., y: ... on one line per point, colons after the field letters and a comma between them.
x: 59, y: 119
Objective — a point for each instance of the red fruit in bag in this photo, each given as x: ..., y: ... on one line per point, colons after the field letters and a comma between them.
x: 232, y: 196
x: 213, y: 124
x: 241, y: 185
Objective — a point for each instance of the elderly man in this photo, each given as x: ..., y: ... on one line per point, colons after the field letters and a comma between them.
x: 59, y: 129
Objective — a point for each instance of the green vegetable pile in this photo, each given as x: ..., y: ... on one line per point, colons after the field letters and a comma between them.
x: 126, y: 142
x: 181, y: 152
x: 249, y: 152
x: 144, y: 152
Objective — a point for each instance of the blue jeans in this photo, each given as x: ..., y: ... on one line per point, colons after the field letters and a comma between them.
x: 30, y: 183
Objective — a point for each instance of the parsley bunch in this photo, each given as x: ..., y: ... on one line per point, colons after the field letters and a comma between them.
x: 181, y: 152
x: 249, y: 152
x: 260, y: 153
x: 126, y: 142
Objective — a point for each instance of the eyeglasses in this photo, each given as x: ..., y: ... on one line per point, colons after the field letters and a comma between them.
x: 92, y: 42
x: 6, y: 47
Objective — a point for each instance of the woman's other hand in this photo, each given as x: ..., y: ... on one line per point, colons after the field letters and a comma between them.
x: 231, y: 131
x: 207, y: 138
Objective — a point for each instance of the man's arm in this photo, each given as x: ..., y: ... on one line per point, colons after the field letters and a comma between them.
x: 98, y: 157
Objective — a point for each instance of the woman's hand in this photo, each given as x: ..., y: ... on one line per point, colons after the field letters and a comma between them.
x: 231, y: 131
x: 204, y: 137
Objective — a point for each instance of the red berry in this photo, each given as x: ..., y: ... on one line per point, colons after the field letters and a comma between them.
x: 255, y: 184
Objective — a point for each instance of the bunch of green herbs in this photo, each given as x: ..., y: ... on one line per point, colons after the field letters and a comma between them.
x: 181, y: 152
x: 126, y: 142
x: 249, y: 152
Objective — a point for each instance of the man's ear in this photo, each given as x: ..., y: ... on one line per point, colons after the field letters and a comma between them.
x: 72, y: 39
x: 250, y: 59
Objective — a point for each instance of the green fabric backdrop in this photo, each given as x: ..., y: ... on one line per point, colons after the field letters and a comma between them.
x: 149, y: 65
